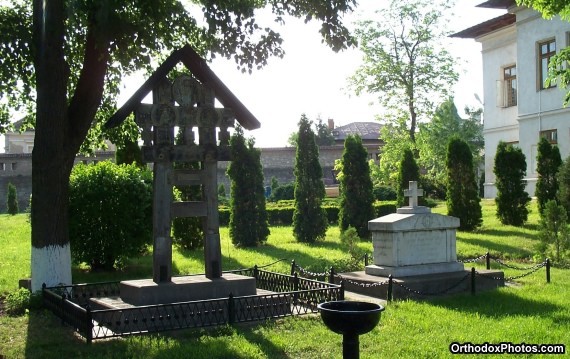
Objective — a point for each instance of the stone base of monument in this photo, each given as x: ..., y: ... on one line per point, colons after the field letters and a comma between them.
x: 414, y: 270
x: 422, y: 286
x: 185, y: 289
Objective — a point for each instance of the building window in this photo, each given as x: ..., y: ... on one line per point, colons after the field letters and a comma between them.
x: 2, y: 166
x: 550, y: 135
x: 510, y: 88
x: 14, y: 164
x: 546, y: 50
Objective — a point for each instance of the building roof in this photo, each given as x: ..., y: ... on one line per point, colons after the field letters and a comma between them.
x: 497, y: 4
x: 198, y: 67
x: 366, y: 131
x: 486, y: 27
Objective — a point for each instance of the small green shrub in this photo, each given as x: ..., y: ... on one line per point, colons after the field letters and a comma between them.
x: 384, y: 193
x: 284, y: 192
x: 110, y: 213
x: 17, y: 302
x: 12, y: 200
x: 554, y: 233
x: 187, y: 232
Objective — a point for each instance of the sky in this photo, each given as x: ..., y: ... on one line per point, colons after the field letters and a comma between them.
x: 312, y: 79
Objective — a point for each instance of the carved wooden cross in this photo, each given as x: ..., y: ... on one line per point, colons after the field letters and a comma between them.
x: 413, y: 192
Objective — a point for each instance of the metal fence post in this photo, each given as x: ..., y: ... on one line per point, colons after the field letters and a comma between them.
x: 255, y: 272
x: 331, y: 275
x: 390, y: 288
x: 547, y: 270
x: 293, y: 265
x: 89, y: 324
x: 472, y: 280
x: 488, y: 260
x: 231, y: 309
x: 366, y: 259
x: 295, y: 288
x: 341, y: 290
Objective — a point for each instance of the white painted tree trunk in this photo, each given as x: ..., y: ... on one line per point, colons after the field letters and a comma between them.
x: 51, y: 265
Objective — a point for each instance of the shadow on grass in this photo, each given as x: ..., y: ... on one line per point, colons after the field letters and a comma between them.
x: 509, y: 233
x: 498, y: 304
x: 303, y: 259
x: 498, y: 248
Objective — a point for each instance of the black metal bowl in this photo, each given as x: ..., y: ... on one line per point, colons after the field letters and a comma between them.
x: 350, y: 317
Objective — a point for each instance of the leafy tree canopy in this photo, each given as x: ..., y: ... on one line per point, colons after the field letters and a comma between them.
x: 404, y: 62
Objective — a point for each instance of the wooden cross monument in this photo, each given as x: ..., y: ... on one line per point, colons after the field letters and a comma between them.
x: 187, y: 104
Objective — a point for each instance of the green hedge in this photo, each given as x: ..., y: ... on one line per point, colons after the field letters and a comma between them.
x: 281, y: 213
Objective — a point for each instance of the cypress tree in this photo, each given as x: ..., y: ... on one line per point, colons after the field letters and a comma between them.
x: 463, y: 199
x: 512, y: 199
x: 409, y: 171
x: 563, y: 179
x: 356, y: 196
x: 309, y: 218
x: 248, y: 216
x: 12, y: 200
x: 548, y: 162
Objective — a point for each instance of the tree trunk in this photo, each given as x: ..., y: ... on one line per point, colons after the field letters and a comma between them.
x: 51, y: 258
x: 60, y: 131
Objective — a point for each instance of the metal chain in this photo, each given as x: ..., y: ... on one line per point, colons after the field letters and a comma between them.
x: 441, y: 292
x: 311, y: 274
x: 270, y: 264
x: 361, y: 284
x: 474, y: 259
x: 540, y: 265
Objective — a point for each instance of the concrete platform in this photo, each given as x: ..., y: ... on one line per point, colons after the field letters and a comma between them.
x: 185, y: 289
x: 414, y: 270
x: 406, y: 287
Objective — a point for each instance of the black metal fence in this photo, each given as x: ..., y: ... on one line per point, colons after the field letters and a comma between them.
x: 284, y: 295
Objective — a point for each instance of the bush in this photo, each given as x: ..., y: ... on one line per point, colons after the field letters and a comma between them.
x: 309, y: 219
x: 554, y: 233
x: 21, y: 300
x: 409, y: 171
x: 463, y: 199
x: 563, y: 177
x: 110, y: 213
x: 383, y: 193
x: 512, y: 200
x: 356, y: 195
x: 284, y: 192
x: 548, y: 162
x: 12, y: 200
x: 187, y: 232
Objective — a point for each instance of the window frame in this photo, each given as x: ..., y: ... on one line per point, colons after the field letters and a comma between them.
x: 544, y: 56
x: 510, y: 92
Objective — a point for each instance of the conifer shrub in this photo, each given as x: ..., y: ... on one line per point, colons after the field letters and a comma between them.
x: 356, y: 196
x: 548, y: 162
x: 309, y: 219
x: 408, y: 171
x: 512, y: 199
x: 563, y: 179
x: 12, y: 200
x: 462, y: 199
x: 554, y: 234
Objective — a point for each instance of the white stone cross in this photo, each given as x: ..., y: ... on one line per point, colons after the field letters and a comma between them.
x: 414, y: 192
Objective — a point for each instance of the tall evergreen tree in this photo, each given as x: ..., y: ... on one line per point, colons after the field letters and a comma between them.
x: 408, y: 171
x: 548, y: 162
x: 512, y: 200
x: 463, y: 199
x: 12, y: 200
x: 563, y: 179
x: 309, y: 218
x: 356, y: 196
x: 248, y: 217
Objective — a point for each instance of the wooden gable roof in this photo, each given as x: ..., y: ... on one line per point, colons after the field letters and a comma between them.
x: 198, y: 67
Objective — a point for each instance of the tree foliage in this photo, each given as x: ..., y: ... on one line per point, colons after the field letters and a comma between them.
x: 12, y: 200
x: 248, y: 218
x: 463, y: 199
x: 356, y: 196
x: 434, y: 137
x: 404, y: 62
x: 548, y: 162
x: 110, y: 213
x: 63, y: 60
x: 408, y: 171
x: 554, y: 233
x: 323, y: 135
x: 309, y: 218
x: 396, y: 140
x: 563, y: 179
x: 512, y: 199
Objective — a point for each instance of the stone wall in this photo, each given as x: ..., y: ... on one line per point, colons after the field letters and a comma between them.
x: 276, y: 162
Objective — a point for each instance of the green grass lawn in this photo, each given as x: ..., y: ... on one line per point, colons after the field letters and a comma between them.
x: 531, y: 311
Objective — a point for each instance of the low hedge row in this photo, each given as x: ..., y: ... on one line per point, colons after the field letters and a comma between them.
x: 283, y: 215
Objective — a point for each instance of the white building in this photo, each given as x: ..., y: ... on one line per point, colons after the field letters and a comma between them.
x: 518, y: 107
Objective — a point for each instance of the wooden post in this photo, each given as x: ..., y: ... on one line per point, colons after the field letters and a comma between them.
x: 473, y: 273
x: 212, y: 247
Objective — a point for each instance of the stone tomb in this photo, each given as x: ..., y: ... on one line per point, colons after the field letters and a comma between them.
x: 418, y: 248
